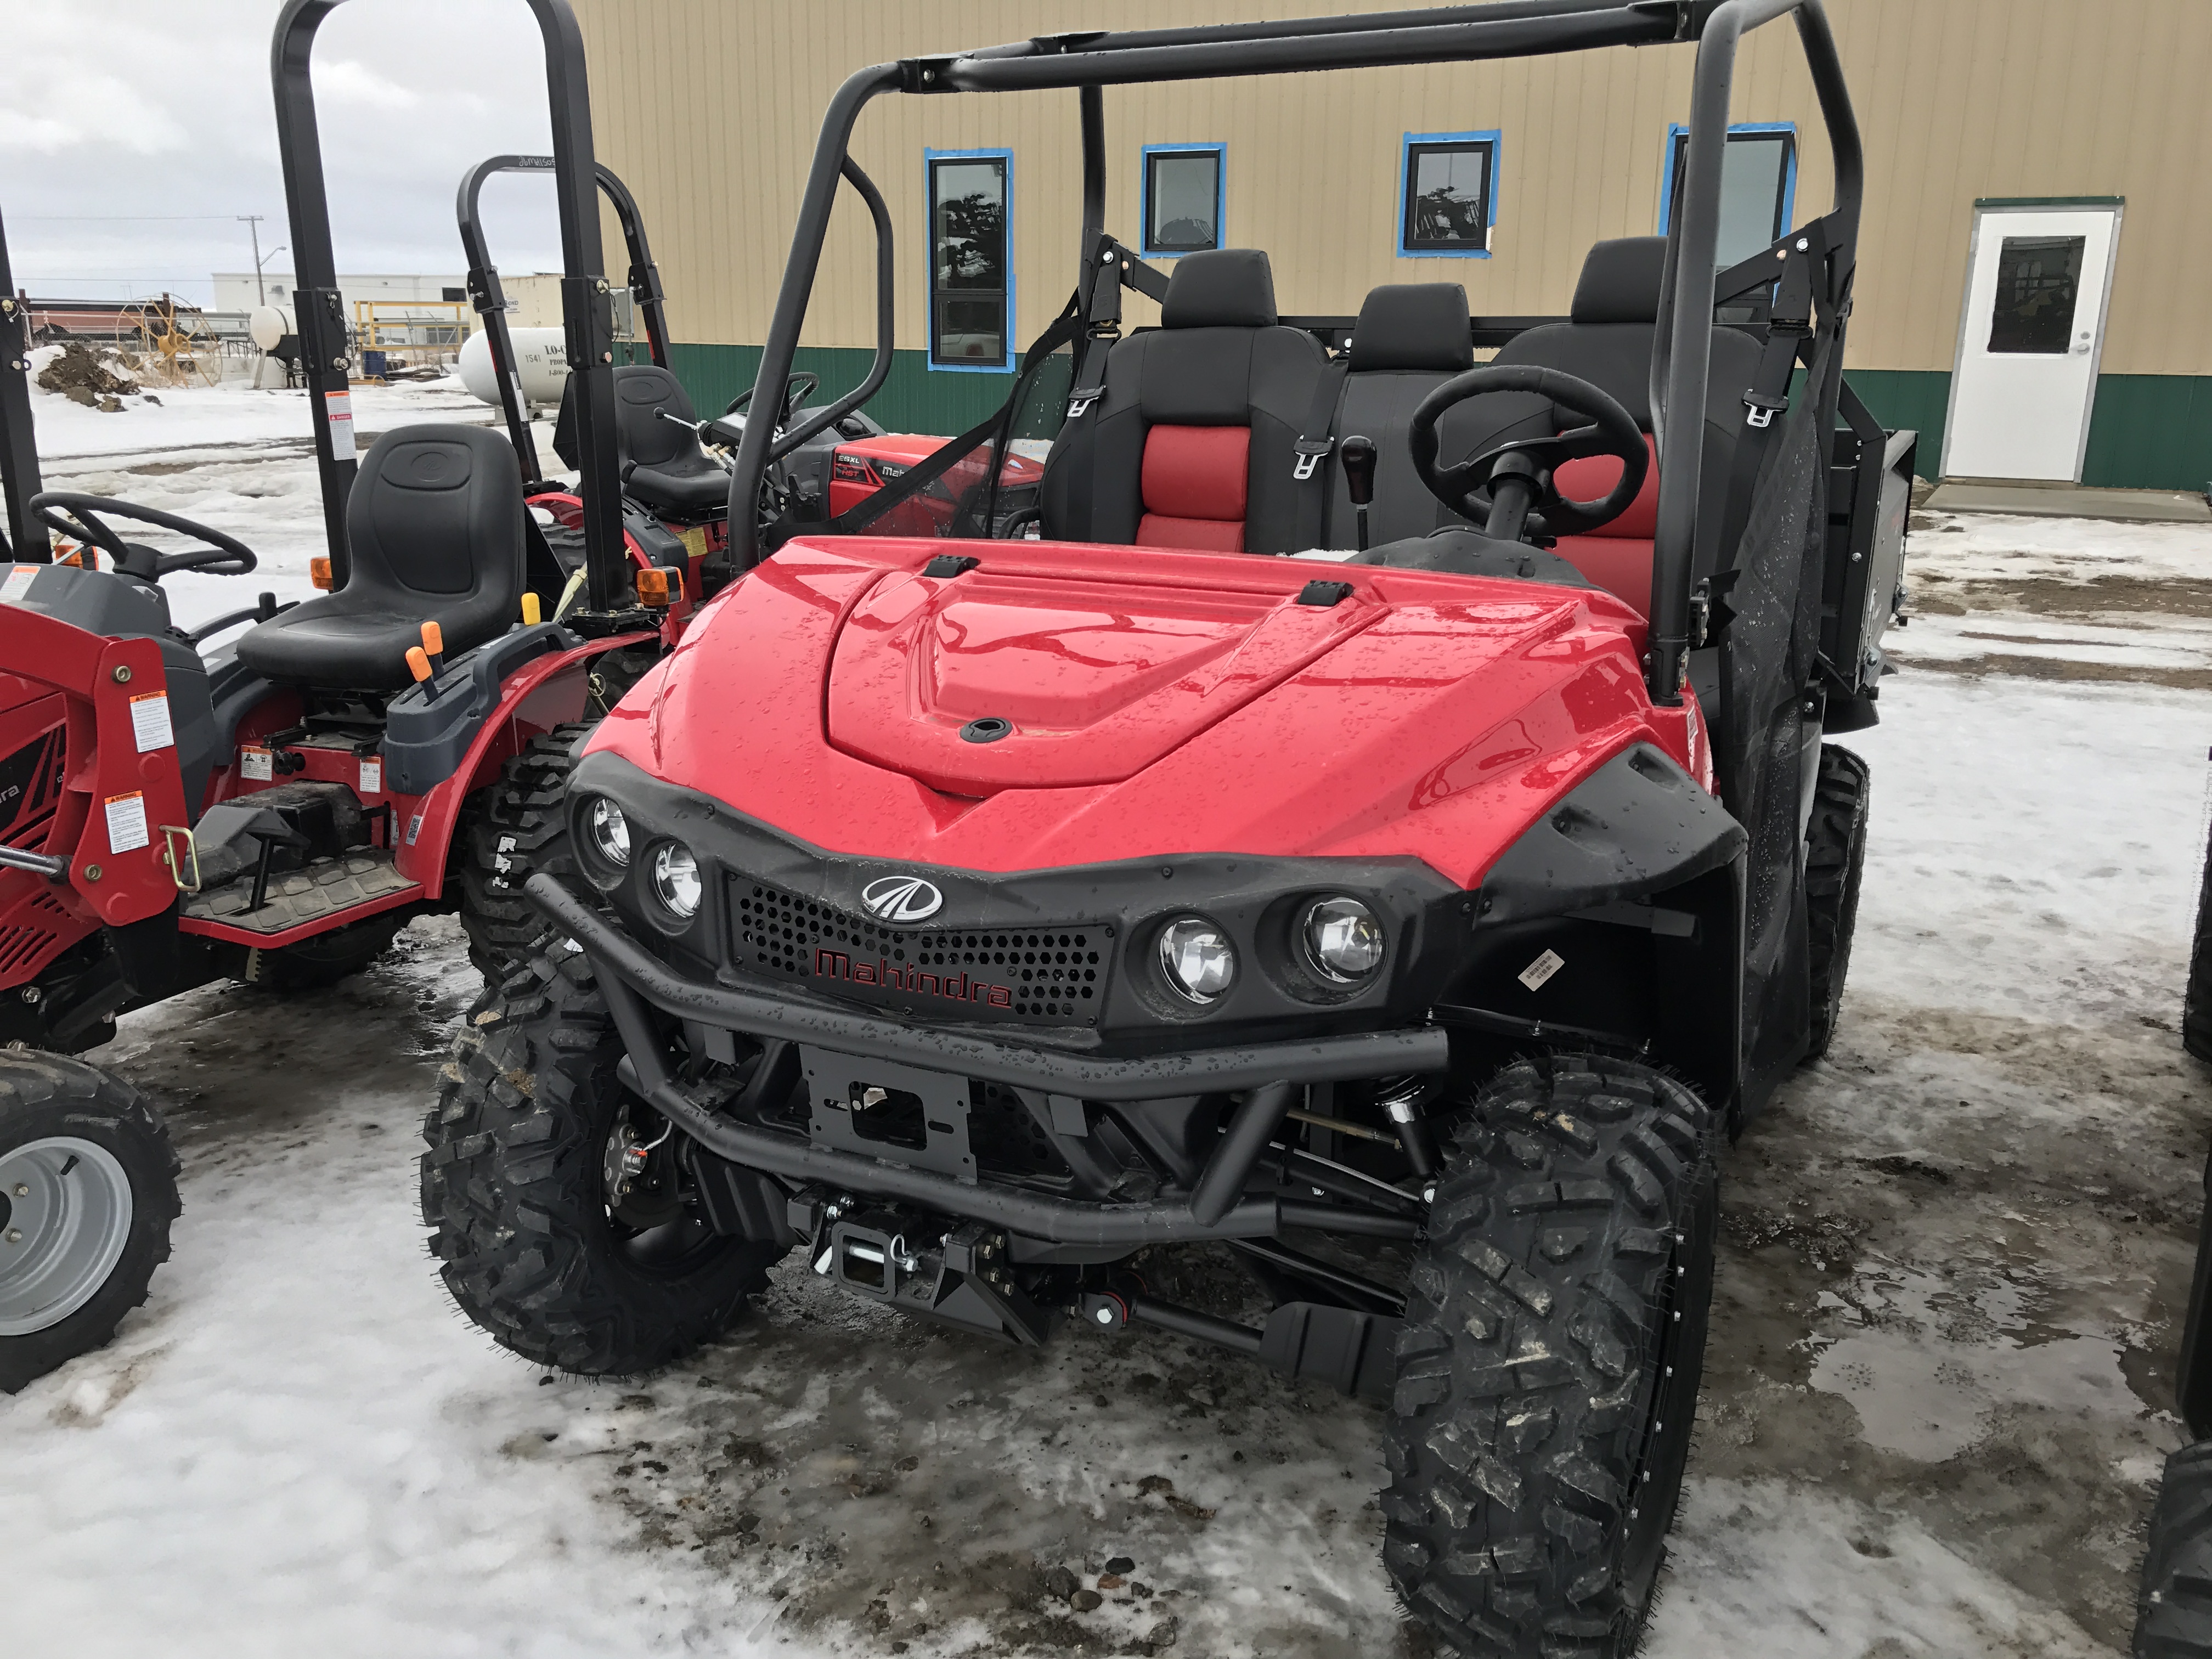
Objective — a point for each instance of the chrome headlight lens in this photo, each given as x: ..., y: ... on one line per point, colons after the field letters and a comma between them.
x: 1343, y: 940
x: 607, y: 830
x: 675, y: 879
x: 1197, y: 959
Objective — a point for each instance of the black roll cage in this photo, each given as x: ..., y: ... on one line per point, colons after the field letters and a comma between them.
x: 26, y: 541
x: 588, y: 311
x: 490, y: 300
x: 1507, y: 29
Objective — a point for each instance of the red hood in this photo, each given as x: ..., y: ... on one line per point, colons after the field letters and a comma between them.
x: 1160, y: 701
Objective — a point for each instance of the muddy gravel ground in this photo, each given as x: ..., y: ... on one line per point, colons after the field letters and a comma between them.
x: 1954, y: 1258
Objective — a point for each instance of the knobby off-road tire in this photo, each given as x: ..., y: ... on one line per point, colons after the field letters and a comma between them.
x: 316, y: 963
x: 509, y: 832
x: 1835, y: 856
x: 1547, y: 1370
x: 2174, y: 1609
x: 88, y: 1190
x: 2196, y: 998
x: 515, y: 1192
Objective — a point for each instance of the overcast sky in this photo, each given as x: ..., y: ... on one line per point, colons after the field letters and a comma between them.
x: 132, y: 132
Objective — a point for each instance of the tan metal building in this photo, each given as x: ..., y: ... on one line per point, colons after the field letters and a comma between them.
x: 2032, y: 291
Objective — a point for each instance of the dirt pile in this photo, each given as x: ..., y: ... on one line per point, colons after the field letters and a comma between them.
x: 82, y: 375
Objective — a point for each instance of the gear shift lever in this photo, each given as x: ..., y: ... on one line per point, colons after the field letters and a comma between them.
x: 1357, y: 457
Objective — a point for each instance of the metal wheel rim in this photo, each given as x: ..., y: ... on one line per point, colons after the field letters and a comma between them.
x: 69, y: 1211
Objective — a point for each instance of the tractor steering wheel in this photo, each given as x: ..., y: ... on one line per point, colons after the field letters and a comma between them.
x: 1518, y: 475
x: 83, y: 517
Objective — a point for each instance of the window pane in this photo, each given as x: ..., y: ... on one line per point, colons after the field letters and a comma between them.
x: 1183, y: 194
x: 970, y: 223
x: 1447, y: 196
x: 971, y: 330
x: 2039, y: 283
x: 1754, y: 170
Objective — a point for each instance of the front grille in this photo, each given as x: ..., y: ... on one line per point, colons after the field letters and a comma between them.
x: 1047, y: 974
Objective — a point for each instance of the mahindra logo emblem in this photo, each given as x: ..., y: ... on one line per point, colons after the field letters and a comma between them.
x: 898, y: 899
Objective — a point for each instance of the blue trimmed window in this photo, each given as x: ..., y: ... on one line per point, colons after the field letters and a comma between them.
x: 1182, y: 186
x: 1759, y: 185
x: 971, y: 281
x: 1447, y: 195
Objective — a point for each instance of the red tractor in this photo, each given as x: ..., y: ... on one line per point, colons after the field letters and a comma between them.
x: 1381, y: 826
x: 272, y: 809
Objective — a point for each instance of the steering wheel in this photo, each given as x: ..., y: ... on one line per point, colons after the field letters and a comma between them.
x: 84, y: 518
x: 796, y: 391
x: 1518, y: 474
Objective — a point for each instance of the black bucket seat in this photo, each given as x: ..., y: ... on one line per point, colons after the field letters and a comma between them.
x: 662, y: 464
x: 436, y: 526
x: 1410, y: 338
x: 1189, y: 441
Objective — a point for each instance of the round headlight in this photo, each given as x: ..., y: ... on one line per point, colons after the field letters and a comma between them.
x: 1343, y: 940
x: 1197, y: 959
x: 607, y: 829
x: 676, y: 878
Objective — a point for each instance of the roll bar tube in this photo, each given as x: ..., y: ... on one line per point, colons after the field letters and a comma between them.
x: 19, y: 449
x: 586, y: 313
x: 886, y: 323
x: 490, y: 299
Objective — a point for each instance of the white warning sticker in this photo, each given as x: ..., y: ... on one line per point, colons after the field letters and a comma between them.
x: 20, y: 578
x: 1542, y: 968
x: 127, y: 822
x: 372, y: 777
x: 149, y: 722
x: 414, y: 828
x: 338, y: 406
x: 256, y: 765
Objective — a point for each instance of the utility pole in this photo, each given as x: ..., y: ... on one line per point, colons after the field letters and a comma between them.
x: 252, y: 222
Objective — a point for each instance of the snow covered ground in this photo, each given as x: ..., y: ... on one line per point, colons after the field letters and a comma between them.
x: 1954, y: 1260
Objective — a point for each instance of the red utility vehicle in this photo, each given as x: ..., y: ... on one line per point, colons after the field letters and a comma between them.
x: 1412, y: 915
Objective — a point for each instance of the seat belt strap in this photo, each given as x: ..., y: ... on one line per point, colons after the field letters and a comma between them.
x: 1790, y: 326
x: 1309, y: 468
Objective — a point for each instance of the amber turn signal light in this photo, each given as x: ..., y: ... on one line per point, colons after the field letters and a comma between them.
x: 419, y: 663
x: 319, y: 572
x: 653, y: 588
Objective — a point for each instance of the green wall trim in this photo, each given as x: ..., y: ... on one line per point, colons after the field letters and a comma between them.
x: 2146, y: 431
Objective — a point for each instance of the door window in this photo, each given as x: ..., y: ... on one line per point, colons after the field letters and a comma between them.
x: 970, y: 322
x: 1182, y: 199
x: 2039, y: 282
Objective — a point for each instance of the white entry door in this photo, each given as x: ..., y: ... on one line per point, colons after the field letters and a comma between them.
x: 2037, y: 286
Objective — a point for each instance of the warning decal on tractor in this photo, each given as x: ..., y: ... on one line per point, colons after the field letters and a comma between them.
x: 256, y: 765
x: 149, y: 722
x: 18, y: 583
x: 372, y: 777
x: 127, y: 822
x: 338, y: 406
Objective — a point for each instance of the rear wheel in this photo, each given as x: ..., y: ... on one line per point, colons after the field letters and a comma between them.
x: 314, y: 964
x: 1547, y: 1372
x: 546, y: 1240
x: 2197, y: 998
x: 88, y: 1190
x: 509, y: 832
x: 1835, y: 856
x: 2174, y: 1611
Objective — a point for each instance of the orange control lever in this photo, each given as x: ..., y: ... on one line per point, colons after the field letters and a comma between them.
x: 419, y: 663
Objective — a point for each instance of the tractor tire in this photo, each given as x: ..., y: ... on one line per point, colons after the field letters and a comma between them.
x: 535, y: 1244
x: 317, y: 963
x: 1835, y: 858
x: 2173, y: 1608
x: 508, y: 832
x: 88, y: 1190
x: 2196, y: 998
x: 1548, y: 1369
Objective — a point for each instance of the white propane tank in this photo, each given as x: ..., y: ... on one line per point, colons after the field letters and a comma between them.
x: 541, y: 361
x: 269, y: 325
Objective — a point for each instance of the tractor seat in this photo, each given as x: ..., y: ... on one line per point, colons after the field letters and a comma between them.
x: 662, y: 464
x: 436, y: 526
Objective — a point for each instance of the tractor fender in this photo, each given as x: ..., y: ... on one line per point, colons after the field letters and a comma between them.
x: 1640, y: 824
x: 543, y: 691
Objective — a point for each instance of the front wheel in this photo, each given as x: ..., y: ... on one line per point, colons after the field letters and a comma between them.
x: 563, y: 1248
x: 1548, y: 1367
x: 509, y: 831
x: 88, y: 1190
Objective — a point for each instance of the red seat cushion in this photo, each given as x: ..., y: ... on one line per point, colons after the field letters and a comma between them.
x: 1617, y: 556
x: 1195, y: 481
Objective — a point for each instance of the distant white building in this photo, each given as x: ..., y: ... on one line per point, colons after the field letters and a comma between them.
x: 234, y: 290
